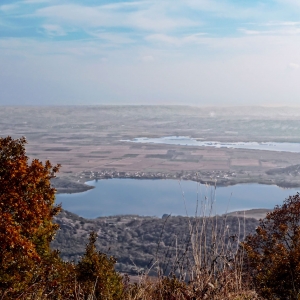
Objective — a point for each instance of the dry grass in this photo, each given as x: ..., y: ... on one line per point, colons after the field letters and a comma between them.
x: 210, y: 266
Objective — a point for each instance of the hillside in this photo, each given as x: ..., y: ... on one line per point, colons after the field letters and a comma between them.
x: 137, y: 242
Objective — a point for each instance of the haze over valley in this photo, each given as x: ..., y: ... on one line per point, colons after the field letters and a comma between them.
x: 93, y: 142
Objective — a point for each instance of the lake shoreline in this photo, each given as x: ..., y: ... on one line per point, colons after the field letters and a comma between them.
x: 70, y: 186
x: 189, y: 141
x: 159, y: 197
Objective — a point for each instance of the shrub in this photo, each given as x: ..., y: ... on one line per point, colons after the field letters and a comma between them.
x: 95, y: 272
x: 273, y: 252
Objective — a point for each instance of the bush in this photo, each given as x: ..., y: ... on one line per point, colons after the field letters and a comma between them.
x: 95, y: 272
x: 273, y: 252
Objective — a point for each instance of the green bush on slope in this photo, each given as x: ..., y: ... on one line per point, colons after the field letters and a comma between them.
x: 95, y: 272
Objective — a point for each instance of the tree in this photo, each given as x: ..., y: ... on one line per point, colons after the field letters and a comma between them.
x: 273, y: 252
x: 29, y: 269
x: 26, y: 212
x: 95, y: 272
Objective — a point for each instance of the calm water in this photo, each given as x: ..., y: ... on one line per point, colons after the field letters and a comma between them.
x: 187, y: 141
x: 158, y: 197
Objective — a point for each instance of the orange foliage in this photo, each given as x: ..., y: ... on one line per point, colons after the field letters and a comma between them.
x: 29, y: 269
x: 26, y: 210
x: 273, y: 253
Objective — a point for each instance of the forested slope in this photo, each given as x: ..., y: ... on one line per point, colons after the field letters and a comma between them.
x: 137, y: 242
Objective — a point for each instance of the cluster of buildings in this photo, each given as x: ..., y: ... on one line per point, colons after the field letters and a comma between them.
x: 201, y: 176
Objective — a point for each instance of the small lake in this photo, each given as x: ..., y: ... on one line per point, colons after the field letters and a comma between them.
x: 188, y: 141
x: 157, y: 197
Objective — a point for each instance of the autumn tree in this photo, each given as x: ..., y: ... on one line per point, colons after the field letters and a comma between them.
x: 273, y: 252
x: 26, y: 213
x: 29, y: 269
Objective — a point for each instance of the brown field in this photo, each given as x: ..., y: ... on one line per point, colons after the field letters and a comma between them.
x: 245, y: 162
x: 86, y: 141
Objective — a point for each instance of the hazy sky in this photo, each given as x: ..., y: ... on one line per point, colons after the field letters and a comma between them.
x: 195, y: 52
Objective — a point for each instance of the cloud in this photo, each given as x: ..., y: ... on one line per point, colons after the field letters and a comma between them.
x: 164, y: 39
x: 249, y: 32
x: 228, y: 9
x: 281, y: 23
x: 125, y: 4
x: 294, y: 66
x: 249, y: 69
x: 196, y: 38
x: 35, y: 1
x: 76, y: 15
x: 294, y: 3
x: 8, y: 7
x: 53, y: 30
x: 192, y: 51
x: 112, y: 38
x: 25, y: 48
x: 283, y: 30
x: 152, y: 17
x: 147, y: 58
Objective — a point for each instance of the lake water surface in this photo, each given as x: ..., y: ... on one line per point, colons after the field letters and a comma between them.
x: 157, y: 197
x: 188, y: 141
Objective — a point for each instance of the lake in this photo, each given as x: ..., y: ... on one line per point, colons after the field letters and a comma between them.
x: 157, y: 197
x: 188, y: 141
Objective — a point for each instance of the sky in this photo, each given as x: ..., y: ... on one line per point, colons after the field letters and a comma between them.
x: 191, y: 52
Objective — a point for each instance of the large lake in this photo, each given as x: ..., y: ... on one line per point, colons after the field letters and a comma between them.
x: 158, y: 197
x: 188, y: 141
